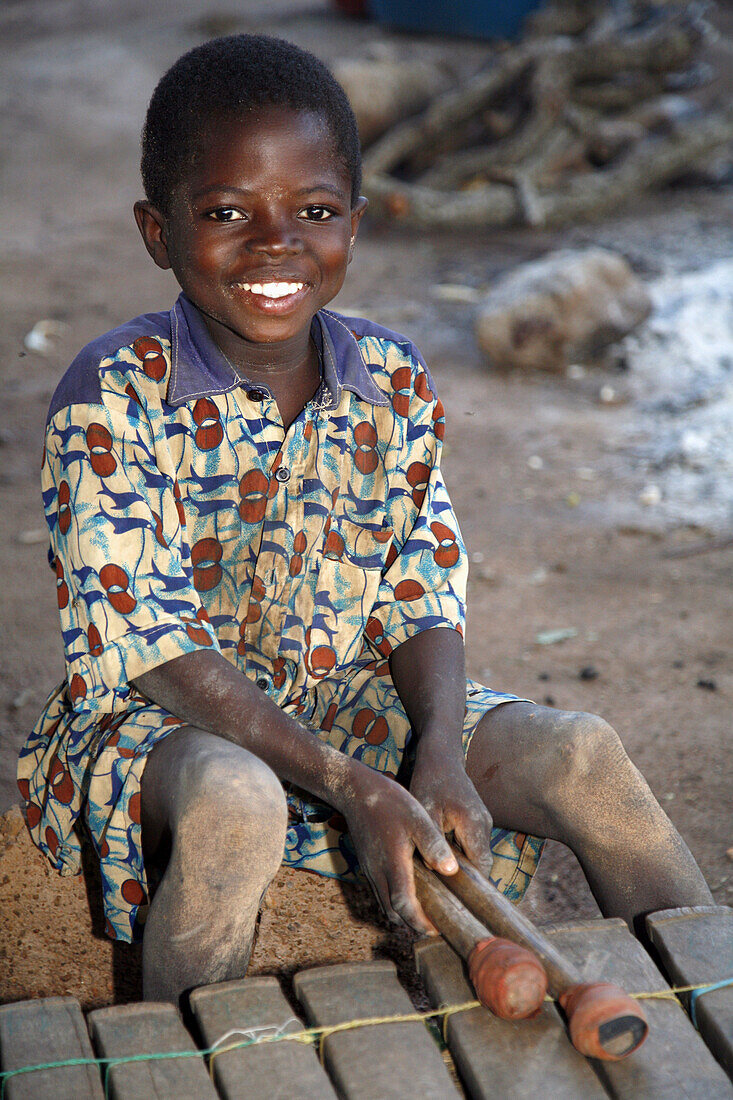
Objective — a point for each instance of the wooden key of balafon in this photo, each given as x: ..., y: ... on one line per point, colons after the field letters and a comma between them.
x: 507, y: 978
x: 604, y: 1021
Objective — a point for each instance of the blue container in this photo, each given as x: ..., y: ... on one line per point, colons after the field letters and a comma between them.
x: 478, y: 18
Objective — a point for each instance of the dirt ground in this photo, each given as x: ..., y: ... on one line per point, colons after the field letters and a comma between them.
x: 551, y: 547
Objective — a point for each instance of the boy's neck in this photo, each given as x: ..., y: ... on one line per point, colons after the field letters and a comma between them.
x: 281, y: 362
x: 291, y: 369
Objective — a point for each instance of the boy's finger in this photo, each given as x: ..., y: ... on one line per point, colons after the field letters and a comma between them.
x: 435, y: 813
x: 404, y: 901
x: 398, y: 906
x: 473, y: 833
x: 434, y: 848
x: 380, y: 891
x: 410, y: 913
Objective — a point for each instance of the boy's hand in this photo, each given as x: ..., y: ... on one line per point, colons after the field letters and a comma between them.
x: 442, y: 786
x: 387, y: 824
x: 429, y: 673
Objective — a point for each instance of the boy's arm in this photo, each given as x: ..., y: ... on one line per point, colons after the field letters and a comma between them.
x: 429, y: 674
x: 385, y: 822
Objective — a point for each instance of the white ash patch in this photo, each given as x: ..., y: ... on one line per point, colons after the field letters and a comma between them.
x: 682, y: 382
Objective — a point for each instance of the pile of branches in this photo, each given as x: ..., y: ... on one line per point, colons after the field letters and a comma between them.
x: 559, y: 126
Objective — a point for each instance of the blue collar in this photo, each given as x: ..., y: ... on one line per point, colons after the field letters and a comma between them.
x: 199, y: 368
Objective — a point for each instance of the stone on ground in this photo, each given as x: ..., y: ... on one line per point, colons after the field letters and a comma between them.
x: 562, y: 308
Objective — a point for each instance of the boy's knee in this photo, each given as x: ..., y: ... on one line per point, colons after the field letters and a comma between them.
x: 233, y: 807
x: 582, y: 747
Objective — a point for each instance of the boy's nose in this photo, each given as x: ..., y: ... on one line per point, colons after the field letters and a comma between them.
x: 275, y: 239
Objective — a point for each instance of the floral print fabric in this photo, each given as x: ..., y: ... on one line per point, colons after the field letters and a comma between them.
x: 183, y: 516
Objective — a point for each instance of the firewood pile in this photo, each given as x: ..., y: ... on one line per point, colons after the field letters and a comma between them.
x: 593, y: 106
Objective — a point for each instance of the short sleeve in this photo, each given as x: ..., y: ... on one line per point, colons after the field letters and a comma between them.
x: 124, y: 581
x: 423, y: 584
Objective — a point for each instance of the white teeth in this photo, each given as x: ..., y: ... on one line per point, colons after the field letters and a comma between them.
x: 272, y: 290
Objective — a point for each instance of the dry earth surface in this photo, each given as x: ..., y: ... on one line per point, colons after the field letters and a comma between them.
x: 565, y: 545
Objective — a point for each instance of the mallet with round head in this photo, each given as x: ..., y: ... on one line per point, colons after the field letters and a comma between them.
x: 507, y: 978
x: 604, y: 1022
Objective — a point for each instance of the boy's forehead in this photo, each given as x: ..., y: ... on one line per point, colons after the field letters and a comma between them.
x: 258, y: 148
x: 237, y: 131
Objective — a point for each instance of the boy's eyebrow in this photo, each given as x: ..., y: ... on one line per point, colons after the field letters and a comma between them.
x: 338, y: 192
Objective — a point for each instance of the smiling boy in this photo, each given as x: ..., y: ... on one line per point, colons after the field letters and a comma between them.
x: 261, y: 581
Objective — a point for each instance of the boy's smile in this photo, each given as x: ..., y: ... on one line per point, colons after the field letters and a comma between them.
x: 259, y: 233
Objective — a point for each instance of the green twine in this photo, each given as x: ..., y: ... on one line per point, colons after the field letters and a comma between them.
x: 311, y: 1034
x: 700, y: 991
x: 306, y: 1036
x: 110, y: 1063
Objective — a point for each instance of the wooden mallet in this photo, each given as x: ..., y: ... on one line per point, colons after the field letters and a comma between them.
x: 604, y: 1022
x: 507, y: 978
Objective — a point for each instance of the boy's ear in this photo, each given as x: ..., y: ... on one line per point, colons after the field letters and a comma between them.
x: 152, y: 226
x: 357, y: 212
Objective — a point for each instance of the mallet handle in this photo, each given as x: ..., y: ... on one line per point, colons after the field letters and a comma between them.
x: 507, y: 978
x: 604, y: 1022
x: 504, y: 919
x: 459, y: 927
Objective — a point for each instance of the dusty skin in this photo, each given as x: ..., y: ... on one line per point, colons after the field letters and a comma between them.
x: 655, y: 629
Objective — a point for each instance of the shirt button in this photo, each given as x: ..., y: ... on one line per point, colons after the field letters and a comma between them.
x: 282, y: 474
x: 263, y: 683
x: 256, y: 394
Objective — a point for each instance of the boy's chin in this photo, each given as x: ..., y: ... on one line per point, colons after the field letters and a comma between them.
x: 261, y: 327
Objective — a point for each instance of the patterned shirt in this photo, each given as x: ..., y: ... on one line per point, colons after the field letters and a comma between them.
x: 183, y: 516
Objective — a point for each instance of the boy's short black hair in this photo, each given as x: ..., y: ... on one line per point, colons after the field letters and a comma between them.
x: 227, y: 75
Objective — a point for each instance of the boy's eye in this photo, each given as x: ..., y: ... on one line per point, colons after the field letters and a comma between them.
x: 225, y: 214
x: 317, y: 213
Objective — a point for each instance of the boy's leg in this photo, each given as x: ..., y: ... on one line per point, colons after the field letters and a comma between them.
x: 567, y: 776
x: 213, y: 822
